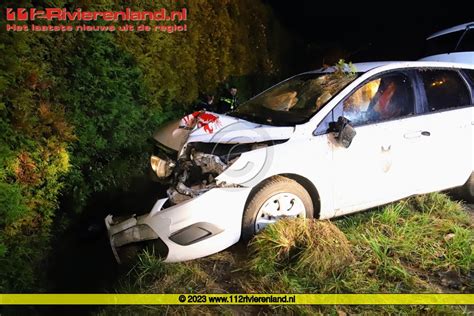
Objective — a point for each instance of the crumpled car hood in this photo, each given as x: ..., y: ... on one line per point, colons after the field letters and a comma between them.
x: 171, y: 136
x: 211, y: 127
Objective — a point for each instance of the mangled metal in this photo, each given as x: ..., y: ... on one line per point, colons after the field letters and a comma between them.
x: 127, y: 232
x: 190, y: 173
x: 171, y: 136
x: 208, y: 163
x: 190, y: 170
x: 194, y: 174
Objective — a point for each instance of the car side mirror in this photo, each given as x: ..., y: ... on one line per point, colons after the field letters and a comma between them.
x: 343, y: 131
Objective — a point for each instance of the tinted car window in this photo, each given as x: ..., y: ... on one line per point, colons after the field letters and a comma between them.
x: 385, y: 98
x: 445, y: 89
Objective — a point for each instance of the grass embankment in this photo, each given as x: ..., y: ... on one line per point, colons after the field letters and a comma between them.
x: 422, y: 244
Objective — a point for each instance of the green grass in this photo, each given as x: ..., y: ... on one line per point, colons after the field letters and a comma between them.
x: 402, y: 247
x: 430, y: 233
x: 290, y: 244
x: 151, y: 275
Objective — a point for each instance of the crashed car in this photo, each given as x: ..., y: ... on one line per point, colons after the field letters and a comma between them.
x: 320, y: 144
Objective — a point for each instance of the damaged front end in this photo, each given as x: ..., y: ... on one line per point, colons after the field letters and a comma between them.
x: 189, y: 169
x: 195, y: 228
x: 201, y: 215
x: 195, y: 219
x: 196, y: 170
x: 197, y: 166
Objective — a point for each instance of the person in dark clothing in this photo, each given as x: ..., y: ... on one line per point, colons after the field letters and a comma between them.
x: 206, y: 103
x: 228, y: 102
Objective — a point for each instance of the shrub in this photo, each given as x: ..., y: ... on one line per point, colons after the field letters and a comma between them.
x: 12, y: 204
x: 77, y: 110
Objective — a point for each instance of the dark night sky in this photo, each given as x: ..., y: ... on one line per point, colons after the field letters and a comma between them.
x: 363, y: 30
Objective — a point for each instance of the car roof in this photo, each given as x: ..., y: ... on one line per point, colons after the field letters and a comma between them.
x: 367, y: 66
x: 453, y: 29
x: 359, y: 67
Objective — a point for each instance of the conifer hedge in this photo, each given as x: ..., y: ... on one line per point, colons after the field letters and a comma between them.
x: 77, y: 108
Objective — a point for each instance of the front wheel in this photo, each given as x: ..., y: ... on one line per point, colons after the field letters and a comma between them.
x: 278, y: 198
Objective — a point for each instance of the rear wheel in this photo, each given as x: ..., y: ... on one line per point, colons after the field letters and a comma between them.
x: 278, y: 198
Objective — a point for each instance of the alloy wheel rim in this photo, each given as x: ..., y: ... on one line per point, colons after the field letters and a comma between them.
x: 278, y: 206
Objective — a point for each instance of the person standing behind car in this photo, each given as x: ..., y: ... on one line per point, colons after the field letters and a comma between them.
x: 228, y: 102
x: 206, y: 103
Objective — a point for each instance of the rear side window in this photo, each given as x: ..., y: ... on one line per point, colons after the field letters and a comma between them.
x: 445, y: 89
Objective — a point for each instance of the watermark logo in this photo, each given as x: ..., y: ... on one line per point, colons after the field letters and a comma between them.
x: 161, y: 19
x: 234, y: 137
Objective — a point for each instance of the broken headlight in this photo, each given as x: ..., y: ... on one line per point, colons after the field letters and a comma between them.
x: 163, y: 168
x: 162, y: 162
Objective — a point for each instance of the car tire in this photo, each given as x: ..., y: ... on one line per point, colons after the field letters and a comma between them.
x: 467, y: 190
x: 278, y: 190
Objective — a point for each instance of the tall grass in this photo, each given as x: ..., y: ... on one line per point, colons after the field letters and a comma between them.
x: 313, y: 248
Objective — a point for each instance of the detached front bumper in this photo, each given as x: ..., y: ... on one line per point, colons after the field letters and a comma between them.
x: 193, y: 229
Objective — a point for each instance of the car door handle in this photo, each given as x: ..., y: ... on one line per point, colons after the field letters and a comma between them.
x: 416, y: 134
x: 412, y: 135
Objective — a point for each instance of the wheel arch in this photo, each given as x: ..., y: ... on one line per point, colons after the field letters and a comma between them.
x: 306, y: 183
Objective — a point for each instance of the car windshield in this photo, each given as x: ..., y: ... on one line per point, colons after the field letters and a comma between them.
x: 295, y: 100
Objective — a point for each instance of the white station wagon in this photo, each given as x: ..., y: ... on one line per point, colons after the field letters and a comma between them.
x: 320, y: 144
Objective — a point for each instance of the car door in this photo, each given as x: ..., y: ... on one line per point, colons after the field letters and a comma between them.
x: 439, y: 141
x: 368, y: 172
